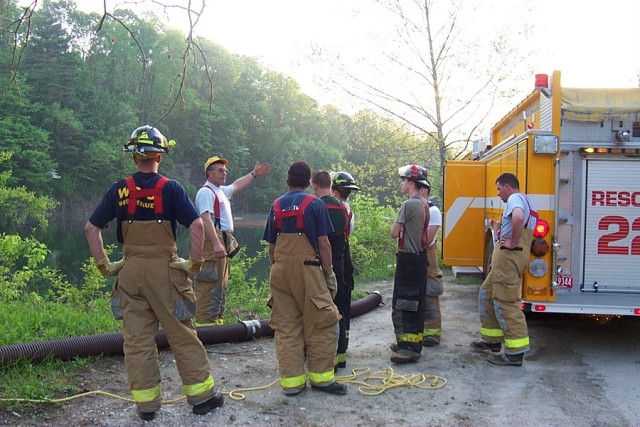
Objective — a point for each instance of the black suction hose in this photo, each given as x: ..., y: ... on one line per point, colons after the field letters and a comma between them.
x: 109, y: 344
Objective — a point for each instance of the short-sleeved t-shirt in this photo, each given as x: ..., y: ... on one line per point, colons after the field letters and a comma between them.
x: 205, y: 200
x: 177, y: 207
x: 517, y: 200
x: 435, y: 218
x: 412, y: 215
x: 316, y: 218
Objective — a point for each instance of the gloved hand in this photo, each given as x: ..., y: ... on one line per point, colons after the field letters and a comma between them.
x: 187, y: 265
x: 108, y: 268
x: 331, y: 281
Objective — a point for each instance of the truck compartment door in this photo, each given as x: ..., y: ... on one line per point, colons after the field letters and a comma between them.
x: 612, y: 226
x: 463, y: 216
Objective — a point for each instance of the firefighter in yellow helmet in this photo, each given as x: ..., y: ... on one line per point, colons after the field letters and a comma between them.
x: 152, y: 285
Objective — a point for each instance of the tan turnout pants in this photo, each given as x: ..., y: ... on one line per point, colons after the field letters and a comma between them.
x: 148, y: 293
x: 304, y: 317
x: 501, y: 316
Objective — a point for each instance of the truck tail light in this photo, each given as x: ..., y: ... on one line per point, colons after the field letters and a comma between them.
x: 541, y: 229
x: 539, y: 247
x: 538, y: 267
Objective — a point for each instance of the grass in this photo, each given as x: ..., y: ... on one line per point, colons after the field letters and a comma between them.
x: 467, y: 280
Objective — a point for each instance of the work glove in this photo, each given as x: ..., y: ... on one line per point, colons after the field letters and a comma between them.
x: 187, y: 265
x: 108, y: 268
x: 331, y: 281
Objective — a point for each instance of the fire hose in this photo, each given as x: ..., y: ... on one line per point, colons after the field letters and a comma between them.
x: 111, y: 344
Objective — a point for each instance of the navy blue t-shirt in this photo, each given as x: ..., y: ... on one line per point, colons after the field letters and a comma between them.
x: 177, y: 207
x: 316, y: 218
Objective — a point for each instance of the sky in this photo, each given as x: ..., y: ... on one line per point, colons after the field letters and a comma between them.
x: 592, y: 44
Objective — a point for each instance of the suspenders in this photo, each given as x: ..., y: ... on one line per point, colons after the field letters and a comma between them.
x: 135, y: 195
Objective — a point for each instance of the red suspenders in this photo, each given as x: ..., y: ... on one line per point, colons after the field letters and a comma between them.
x: 135, y: 195
x: 216, y: 208
x: 299, y: 213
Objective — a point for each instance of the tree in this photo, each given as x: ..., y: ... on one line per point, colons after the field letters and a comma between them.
x: 18, y: 206
x: 17, y: 21
x: 447, y: 73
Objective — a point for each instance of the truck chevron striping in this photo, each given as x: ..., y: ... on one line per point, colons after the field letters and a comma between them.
x: 576, y: 153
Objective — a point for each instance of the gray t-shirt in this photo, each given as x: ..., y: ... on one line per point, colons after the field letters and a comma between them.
x: 517, y: 200
x: 412, y: 215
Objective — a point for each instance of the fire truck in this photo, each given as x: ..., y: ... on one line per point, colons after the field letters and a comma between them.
x: 576, y: 153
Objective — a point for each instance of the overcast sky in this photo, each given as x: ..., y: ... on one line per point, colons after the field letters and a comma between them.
x: 594, y: 44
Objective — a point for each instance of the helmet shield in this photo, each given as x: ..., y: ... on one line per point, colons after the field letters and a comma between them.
x: 146, y: 139
x: 343, y: 180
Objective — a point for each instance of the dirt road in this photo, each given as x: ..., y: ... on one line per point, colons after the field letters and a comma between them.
x: 580, y: 372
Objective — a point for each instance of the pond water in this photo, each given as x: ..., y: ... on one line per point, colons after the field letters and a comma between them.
x: 69, y: 248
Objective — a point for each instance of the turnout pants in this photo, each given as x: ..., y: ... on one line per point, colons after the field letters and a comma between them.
x: 408, y: 300
x: 432, y: 316
x: 342, y: 299
x: 211, y: 294
x: 304, y: 317
x: 501, y: 316
x: 148, y: 293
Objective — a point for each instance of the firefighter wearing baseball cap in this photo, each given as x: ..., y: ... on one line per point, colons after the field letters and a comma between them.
x: 410, y: 228
x: 214, y: 206
x: 153, y: 287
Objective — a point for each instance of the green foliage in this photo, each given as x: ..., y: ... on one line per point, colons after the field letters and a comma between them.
x: 23, y: 380
x: 377, y: 147
x: 468, y: 280
x: 79, y: 93
x: 247, y: 296
x: 34, y: 319
x: 372, y: 248
x: 92, y: 292
x: 22, y: 262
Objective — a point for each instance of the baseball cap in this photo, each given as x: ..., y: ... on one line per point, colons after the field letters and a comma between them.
x: 214, y: 159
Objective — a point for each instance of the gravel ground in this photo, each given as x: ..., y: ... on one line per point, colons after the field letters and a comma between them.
x: 580, y: 372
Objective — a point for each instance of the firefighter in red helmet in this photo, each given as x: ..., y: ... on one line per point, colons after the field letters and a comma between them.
x: 410, y: 279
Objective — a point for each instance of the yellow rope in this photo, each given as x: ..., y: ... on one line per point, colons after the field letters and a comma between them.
x: 381, y: 382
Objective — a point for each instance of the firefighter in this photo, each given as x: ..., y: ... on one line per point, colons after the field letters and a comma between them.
x: 321, y: 182
x: 342, y: 186
x: 303, y: 284
x: 214, y: 206
x: 432, y: 316
x: 501, y: 316
x: 410, y: 228
x: 152, y: 286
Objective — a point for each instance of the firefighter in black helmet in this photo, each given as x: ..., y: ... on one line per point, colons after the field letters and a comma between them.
x: 153, y: 286
x: 342, y: 186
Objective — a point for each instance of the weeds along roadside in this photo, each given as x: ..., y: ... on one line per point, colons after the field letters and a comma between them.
x: 45, y: 306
